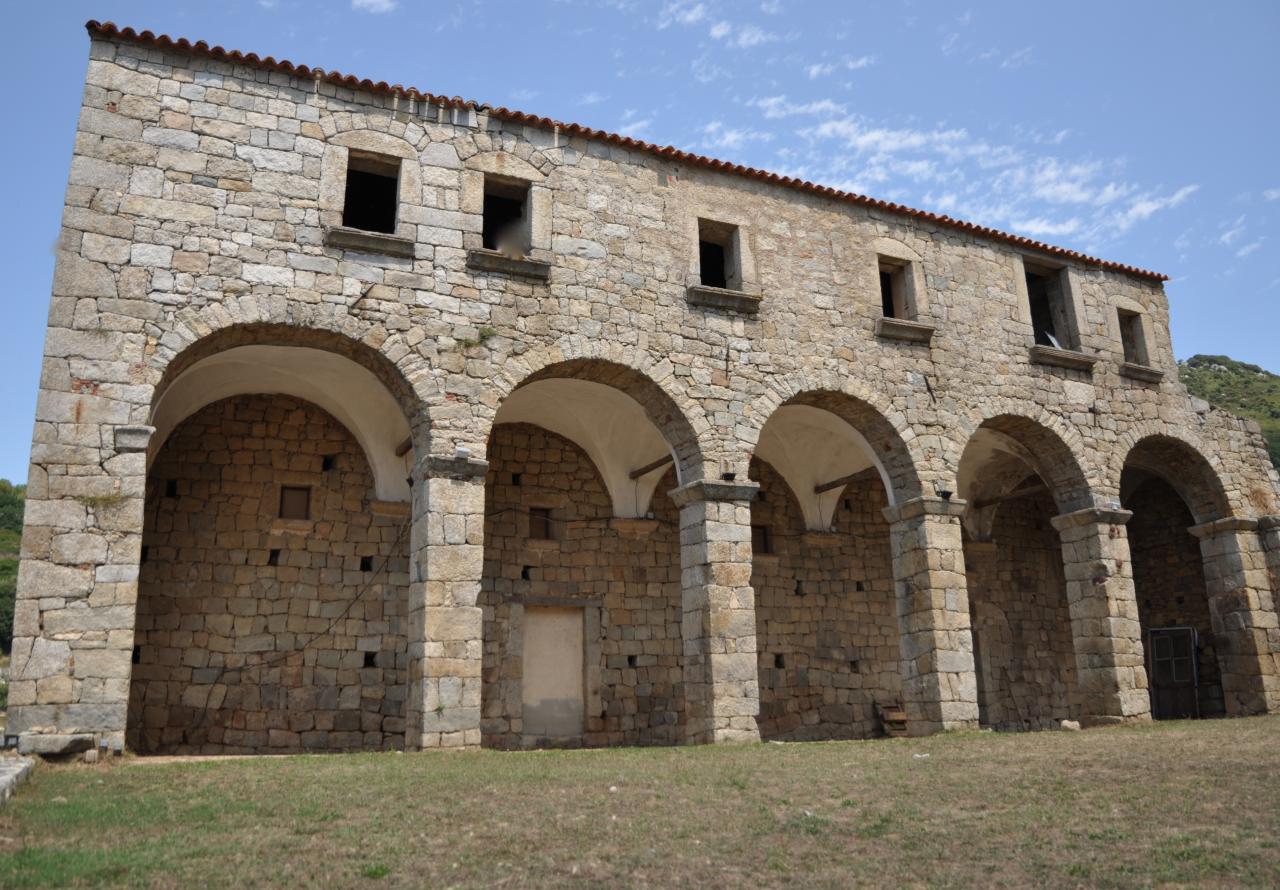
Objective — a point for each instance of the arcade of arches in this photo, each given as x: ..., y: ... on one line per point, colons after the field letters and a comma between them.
x: 311, y: 581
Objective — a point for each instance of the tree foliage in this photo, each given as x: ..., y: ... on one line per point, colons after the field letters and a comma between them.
x: 1240, y: 388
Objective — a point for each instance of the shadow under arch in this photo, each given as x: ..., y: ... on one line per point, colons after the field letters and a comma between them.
x: 1184, y: 468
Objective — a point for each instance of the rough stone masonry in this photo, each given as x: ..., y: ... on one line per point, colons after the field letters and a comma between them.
x: 373, y: 419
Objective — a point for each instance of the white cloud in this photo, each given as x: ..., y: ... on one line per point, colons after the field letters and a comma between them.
x: 1249, y: 248
x: 1017, y: 59
x: 1271, y: 194
x: 771, y: 7
x: 681, y: 12
x: 1147, y: 206
x: 1233, y: 231
x: 743, y: 36
x: 719, y: 136
x: 1040, y: 227
x: 823, y: 69
x: 591, y: 98
x: 268, y: 4
x: 374, y: 6
x: 720, y: 30
x: 778, y: 106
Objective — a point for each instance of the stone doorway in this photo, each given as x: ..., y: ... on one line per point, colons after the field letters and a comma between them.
x: 553, y: 688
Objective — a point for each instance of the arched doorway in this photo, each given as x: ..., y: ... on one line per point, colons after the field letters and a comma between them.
x: 274, y: 582
x: 581, y: 594
x: 1016, y: 476
x: 1180, y: 642
x: 828, y: 654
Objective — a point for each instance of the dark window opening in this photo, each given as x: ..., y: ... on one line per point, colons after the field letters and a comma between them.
x: 505, y: 219
x: 515, y: 479
x: 848, y: 503
x: 631, y: 661
x: 295, y: 502
x: 137, y: 655
x: 800, y: 591
x: 779, y: 661
x: 717, y: 258
x: 273, y: 557
x: 540, y: 524
x: 761, y: 539
x: 366, y: 563
x: 1131, y: 338
x: 142, y: 557
x: 371, y: 659
x: 524, y: 573
x: 853, y: 665
x: 171, y: 488
x: 895, y: 299
x: 1050, y: 319
x: 372, y: 194
x: 327, y: 462
x: 859, y: 586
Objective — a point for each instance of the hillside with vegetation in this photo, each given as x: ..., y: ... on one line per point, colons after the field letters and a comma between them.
x: 12, y: 498
x: 1240, y: 388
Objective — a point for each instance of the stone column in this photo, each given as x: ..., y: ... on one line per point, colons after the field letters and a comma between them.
x: 1269, y: 533
x: 722, y: 688
x: 939, y: 688
x: 445, y: 626
x: 1242, y: 612
x: 77, y: 598
x: 1111, y: 674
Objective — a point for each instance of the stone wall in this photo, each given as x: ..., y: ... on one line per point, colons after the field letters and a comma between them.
x: 1168, y: 576
x: 200, y: 212
x: 825, y: 621
x: 625, y: 575
x: 261, y: 634
x: 1021, y: 626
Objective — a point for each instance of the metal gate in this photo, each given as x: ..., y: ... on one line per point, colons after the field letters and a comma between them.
x: 1175, y: 678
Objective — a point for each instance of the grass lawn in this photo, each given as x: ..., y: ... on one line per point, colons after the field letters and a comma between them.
x: 1171, y: 803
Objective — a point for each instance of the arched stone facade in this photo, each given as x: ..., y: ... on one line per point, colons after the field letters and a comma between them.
x: 209, y: 225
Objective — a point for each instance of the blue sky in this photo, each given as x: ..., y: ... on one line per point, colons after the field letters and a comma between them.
x: 1141, y: 132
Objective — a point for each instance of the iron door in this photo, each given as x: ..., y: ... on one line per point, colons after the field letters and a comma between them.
x: 1172, y: 663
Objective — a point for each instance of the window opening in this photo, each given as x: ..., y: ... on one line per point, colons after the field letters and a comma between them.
x: 295, y: 502
x: 372, y: 193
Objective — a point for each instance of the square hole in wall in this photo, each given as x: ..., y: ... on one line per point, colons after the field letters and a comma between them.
x: 371, y: 659
x: 273, y: 557
x: 506, y: 217
x: 516, y: 479
x: 366, y: 563
x: 779, y: 661
x: 372, y: 193
x: 800, y: 591
x: 859, y: 586
x: 541, y: 527
x: 1132, y: 339
x: 525, y: 573
x: 761, y: 539
x: 631, y: 661
x: 171, y: 488
x: 137, y: 654
x: 145, y: 552
x: 295, y: 502
x: 328, y: 462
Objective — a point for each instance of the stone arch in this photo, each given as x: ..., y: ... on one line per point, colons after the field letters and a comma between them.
x: 1183, y: 466
x: 878, y: 429
x: 1044, y: 441
x: 635, y: 373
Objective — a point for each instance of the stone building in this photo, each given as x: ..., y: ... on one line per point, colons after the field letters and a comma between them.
x: 370, y: 418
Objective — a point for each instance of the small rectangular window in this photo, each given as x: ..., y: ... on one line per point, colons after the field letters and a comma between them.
x: 1051, y: 321
x: 719, y: 263
x: 540, y: 527
x: 506, y: 219
x: 895, y: 289
x: 372, y: 193
x: 295, y: 502
x: 1132, y: 338
x: 761, y: 539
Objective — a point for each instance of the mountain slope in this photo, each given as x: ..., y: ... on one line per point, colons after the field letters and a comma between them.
x: 1240, y: 388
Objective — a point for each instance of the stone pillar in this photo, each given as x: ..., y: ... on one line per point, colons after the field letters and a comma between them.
x: 1111, y: 674
x: 445, y: 625
x: 939, y: 688
x: 1269, y: 533
x: 77, y: 598
x: 722, y: 688
x: 1242, y: 612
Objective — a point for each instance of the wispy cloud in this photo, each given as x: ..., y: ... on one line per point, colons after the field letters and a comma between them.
x: 1271, y: 194
x: 771, y: 7
x: 681, y: 12
x: 741, y: 36
x: 779, y: 106
x: 1233, y: 230
x: 591, y: 98
x: 823, y: 69
x: 374, y: 6
x: 717, y: 135
x: 1017, y: 59
x: 1249, y: 248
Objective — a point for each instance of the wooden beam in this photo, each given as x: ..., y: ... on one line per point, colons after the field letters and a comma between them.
x: 403, y: 448
x: 837, y: 483
x: 650, y: 467
x: 1038, y: 488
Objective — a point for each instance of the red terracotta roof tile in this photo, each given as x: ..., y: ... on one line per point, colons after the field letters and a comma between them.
x: 200, y: 48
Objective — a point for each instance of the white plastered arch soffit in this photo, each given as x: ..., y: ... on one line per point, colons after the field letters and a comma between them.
x: 810, y: 447
x: 351, y: 393
x: 610, y: 426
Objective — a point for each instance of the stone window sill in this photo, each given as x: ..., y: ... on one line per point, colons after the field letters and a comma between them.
x: 1145, y: 373
x: 484, y: 260
x: 722, y: 298
x: 1063, y: 358
x: 368, y: 242
x: 901, y: 329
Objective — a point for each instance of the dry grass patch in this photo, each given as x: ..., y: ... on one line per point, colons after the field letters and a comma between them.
x: 1173, y: 803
